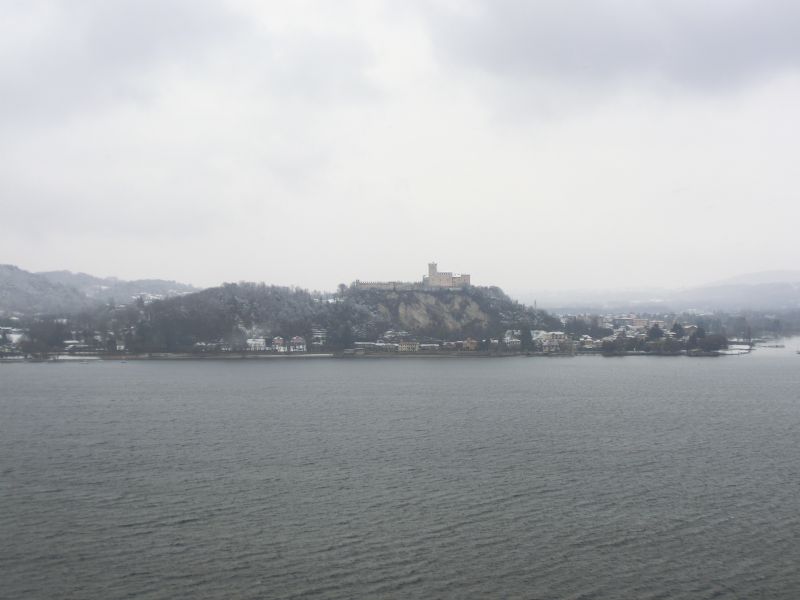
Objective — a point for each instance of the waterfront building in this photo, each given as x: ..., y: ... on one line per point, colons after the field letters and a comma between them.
x: 319, y: 336
x: 470, y: 344
x: 257, y: 344
x: 407, y: 346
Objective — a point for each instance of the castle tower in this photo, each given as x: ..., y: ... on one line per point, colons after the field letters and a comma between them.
x: 432, y: 269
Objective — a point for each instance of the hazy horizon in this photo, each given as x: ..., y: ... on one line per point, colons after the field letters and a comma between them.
x: 522, y: 289
x: 533, y: 146
x: 573, y: 298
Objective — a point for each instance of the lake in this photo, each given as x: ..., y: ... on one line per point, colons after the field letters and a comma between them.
x: 586, y: 477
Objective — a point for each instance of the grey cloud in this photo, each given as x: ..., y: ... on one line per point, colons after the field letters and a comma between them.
x: 319, y: 67
x: 693, y: 44
x: 87, y: 55
x: 78, y: 56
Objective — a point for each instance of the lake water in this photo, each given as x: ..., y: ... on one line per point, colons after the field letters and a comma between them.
x: 519, y: 478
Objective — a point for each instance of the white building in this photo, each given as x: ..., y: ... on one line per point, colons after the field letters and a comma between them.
x: 279, y: 345
x: 257, y: 344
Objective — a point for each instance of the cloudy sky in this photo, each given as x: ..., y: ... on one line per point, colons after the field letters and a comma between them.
x: 553, y: 144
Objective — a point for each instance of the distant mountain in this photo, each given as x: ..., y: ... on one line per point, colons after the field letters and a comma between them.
x: 767, y: 290
x: 737, y: 296
x: 105, y: 288
x: 759, y: 278
x: 600, y: 301
x: 27, y: 293
x: 63, y: 292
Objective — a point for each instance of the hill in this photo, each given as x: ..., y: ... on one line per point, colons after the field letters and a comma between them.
x: 737, y: 296
x: 25, y: 293
x: 62, y: 293
x: 760, y: 278
x: 103, y: 288
x: 766, y: 290
x: 444, y: 313
x: 233, y: 312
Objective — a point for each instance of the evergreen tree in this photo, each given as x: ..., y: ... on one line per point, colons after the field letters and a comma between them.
x: 526, y: 339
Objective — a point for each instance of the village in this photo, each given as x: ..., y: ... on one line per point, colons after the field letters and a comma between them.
x: 569, y: 334
x: 629, y: 334
x: 625, y: 334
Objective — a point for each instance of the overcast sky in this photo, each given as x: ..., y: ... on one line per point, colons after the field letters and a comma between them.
x: 553, y: 144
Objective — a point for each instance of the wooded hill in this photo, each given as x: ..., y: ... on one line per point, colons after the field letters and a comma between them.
x: 234, y: 312
x: 63, y: 293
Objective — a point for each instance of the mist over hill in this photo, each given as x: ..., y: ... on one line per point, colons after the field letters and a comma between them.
x: 472, y: 311
x: 759, y: 278
x: 105, y: 288
x: 22, y: 292
x: 768, y: 290
x: 61, y: 293
x: 740, y: 296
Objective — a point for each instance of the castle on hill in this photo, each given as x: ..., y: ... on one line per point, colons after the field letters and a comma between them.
x: 433, y: 280
x: 443, y: 280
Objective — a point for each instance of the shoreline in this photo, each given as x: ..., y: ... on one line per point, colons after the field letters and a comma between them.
x: 238, y: 356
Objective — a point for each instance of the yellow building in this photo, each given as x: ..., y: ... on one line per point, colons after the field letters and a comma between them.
x: 438, y: 279
x: 434, y: 279
x: 408, y: 347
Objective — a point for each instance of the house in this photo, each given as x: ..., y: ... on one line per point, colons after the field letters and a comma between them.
x: 319, y: 336
x: 279, y: 345
x: 297, y: 344
x: 688, y: 331
x: 257, y: 344
x: 406, y: 346
x: 554, y: 341
x: 470, y: 344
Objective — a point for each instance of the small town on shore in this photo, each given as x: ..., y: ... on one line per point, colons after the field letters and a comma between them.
x: 57, y: 338
x: 632, y: 335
